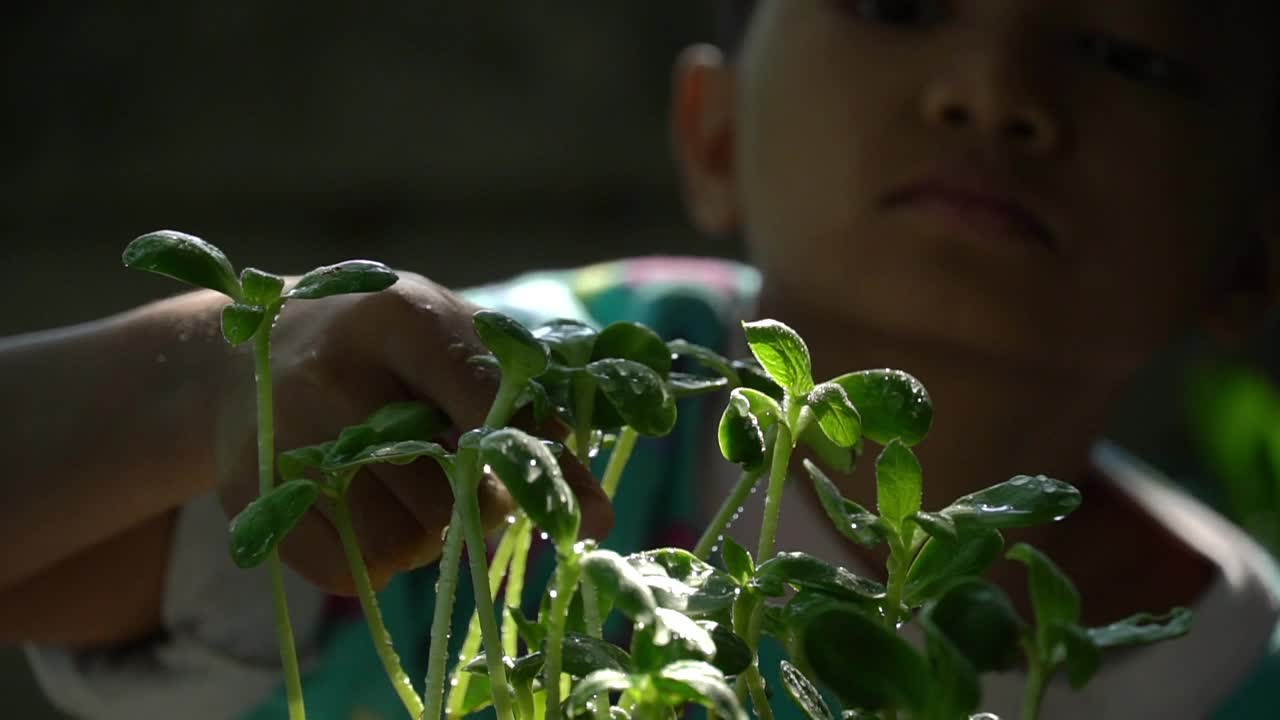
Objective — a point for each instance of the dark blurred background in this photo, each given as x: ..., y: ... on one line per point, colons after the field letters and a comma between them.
x: 464, y: 140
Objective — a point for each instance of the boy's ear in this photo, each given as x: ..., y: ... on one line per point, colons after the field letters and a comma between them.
x: 703, y: 127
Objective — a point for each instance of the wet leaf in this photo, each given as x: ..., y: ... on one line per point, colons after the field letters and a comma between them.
x: 732, y: 655
x: 740, y: 435
x: 638, y: 394
x: 295, y: 463
x: 532, y: 476
x: 600, y: 682
x: 671, y: 638
x: 938, y: 562
x: 683, y: 385
x: 804, y: 693
x: 892, y: 404
x: 407, y: 420
x: 692, y: 681
x: 533, y: 634
x: 836, y: 416
x: 241, y: 322
x: 782, y: 354
x: 615, y: 578
x: 570, y: 341
x: 706, y: 357
x: 883, y: 672
x: 936, y: 525
x: 849, y: 518
x: 1083, y: 657
x: 841, y: 460
x: 805, y: 571
x: 344, y: 278
x: 260, y: 527
x: 755, y: 378
x: 535, y: 395
x: 979, y: 620
x: 680, y: 581
x: 956, y: 691
x: 186, y: 258
x: 261, y: 288
x: 635, y: 342
x: 899, y: 483
x: 396, y: 453
x: 1142, y: 629
x: 580, y: 656
x: 1019, y: 502
x: 519, y: 354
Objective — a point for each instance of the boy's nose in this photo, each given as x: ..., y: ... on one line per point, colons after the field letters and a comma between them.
x: 992, y: 99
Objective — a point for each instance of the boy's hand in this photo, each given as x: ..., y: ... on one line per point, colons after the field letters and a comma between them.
x: 337, y: 360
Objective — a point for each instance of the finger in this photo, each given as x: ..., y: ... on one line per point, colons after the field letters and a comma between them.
x: 422, y: 489
x: 390, y: 536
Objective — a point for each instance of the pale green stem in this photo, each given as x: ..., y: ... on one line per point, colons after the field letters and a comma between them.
x: 522, y: 531
x: 566, y: 584
x: 584, y: 390
x: 524, y: 700
x: 595, y: 628
x: 782, y: 447
x: 618, y: 461
x: 469, y: 502
x: 727, y: 510
x: 266, y: 480
x: 442, y: 620
x: 1037, y: 683
x: 372, y: 615
x: 897, y: 566
x: 755, y: 684
x: 471, y: 645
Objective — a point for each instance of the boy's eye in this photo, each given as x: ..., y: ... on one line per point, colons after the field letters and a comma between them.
x: 895, y: 12
x: 1136, y: 62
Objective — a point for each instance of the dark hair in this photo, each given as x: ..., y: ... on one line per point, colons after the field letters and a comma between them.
x: 734, y: 16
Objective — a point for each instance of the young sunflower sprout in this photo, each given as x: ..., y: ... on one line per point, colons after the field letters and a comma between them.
x: 694, y: 628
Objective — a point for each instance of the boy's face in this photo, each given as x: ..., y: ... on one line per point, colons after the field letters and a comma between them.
x: 1058, y: 183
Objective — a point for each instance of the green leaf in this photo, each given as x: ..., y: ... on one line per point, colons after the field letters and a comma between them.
x: 732, y: 654
x: 671, y: 638
x: 737, y: 561
x: 260, y: 527
x: 892, y: 404
x: 698, y: 682
x: 979, y: 620
x: 350, y: 443
x: 936, y: 525
x: 849, y: 518
x: 683, y: 385
x: 261, y: 288
x: 1083, y: 657
x: 519, y: 354
x: 805, y: 571
x: 1142, y: 629
x: 707, y: 358
x: 804, y: 693
x: 637, y: 393
x: 570, y: 341
x: 580, y: 656
x: 755, y: 378
x: 533, y: 634
x: 1055, y: 600
x: 939, y: 561
x: 864, y: 663
x: 345, y: 278
x: 531, y: 474
x: 956, y: 691
x: 782, y: 354
x: 1020, y: 502
x: 740, y: 434
x: 837, y: 417
x: 402, y: 452
x: 899, y: 483
x: 407, y: 420
x: 680, y: 581
x: 535, y: 394
x: 186, y: 258
x: 617, y: 579
x: 241, y: 322
x: 479, y: 695
x: 295, y: 463
x: 635, y: 342
x: 842, y: 460
x: 600, y: 682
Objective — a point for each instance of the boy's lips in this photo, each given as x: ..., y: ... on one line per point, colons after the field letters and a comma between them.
x: 974, y: 205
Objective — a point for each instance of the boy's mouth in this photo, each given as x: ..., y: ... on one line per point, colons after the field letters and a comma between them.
x: 973, y: 205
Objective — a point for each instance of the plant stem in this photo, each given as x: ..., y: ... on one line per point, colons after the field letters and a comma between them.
x: 897, y: 571
x: 1037, y: 683
x: 469, y: 503
x: 442, y: 620
x: 266, y: 480
x: 595, y: 628
x: 566, y: 583
x: 584, y: 393
x: 727, y: 510
x: 782, y: 447
x: 524, y: 700
x: 372, y: 615
x: 522, y: 531
x: 618, y: 461
x: 755, y: 684
x: 471, y: 644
